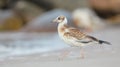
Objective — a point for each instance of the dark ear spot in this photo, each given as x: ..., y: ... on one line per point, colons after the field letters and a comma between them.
x: 61, y: 18
x: 58, y: 18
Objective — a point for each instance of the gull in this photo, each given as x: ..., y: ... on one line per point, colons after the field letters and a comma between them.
x: 74, y: 37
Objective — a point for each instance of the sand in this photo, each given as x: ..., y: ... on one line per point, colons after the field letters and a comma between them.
x: 94, y: 57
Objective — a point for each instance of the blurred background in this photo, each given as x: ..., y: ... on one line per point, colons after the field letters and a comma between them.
x: 26, y: 28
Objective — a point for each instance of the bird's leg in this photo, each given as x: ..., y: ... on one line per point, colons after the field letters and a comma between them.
x: 64, y: 54
x: 81, y: 53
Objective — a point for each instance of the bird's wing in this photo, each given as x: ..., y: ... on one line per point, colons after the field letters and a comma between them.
x: 78, y: 36
x: 88, y: 39
x: 92, y: 38
x: 74, y: 33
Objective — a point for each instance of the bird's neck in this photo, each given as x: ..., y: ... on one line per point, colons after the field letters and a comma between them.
x: 62, y: 26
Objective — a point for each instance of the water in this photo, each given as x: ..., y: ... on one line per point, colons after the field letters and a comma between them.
x: 17, y: 44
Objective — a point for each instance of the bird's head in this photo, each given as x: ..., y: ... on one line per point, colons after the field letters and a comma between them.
x: 60, y: 19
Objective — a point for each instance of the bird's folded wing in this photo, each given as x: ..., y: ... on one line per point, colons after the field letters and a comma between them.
x: 78, y: 36
x: 74, y: 33
x: 89, y: 39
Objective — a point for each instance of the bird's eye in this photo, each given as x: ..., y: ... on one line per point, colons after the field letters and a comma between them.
x: 59, y: 18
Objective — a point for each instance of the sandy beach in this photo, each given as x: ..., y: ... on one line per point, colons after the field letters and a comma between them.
x: 108, y: 56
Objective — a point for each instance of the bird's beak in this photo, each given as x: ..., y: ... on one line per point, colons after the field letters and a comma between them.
x: 54, y: 21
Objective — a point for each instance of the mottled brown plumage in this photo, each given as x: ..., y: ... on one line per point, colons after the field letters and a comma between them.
x: 74, y: 33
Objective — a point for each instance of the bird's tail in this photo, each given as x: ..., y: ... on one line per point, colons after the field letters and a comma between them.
x: 99, y: 41
x: 104, y: 42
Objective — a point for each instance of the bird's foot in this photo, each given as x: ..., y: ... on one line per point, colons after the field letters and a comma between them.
x: 63, y: 55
